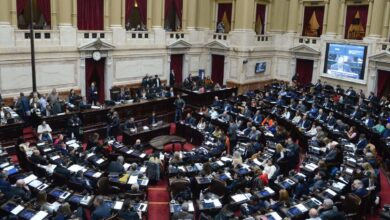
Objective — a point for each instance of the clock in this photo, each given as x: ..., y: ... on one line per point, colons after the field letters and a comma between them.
x: 96, y: 55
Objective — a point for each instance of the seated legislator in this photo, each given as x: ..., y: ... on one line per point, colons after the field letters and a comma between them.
x: 102, y: 211
x: 116, y: 166
x: 21, y: 190
x: 152, y: 119
x: 44, y: 132
x: 130, y: 125
x: 127, y: 211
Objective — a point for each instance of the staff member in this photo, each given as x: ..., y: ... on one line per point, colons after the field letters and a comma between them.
x: 179, y: 104
x: 93, y: 94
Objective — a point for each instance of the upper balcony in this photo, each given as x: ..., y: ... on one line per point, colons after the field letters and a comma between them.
x: 84, y: 37
x: 41, y: 37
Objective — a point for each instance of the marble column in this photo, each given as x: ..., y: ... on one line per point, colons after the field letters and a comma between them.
x: 5, y: 18
x: 378, y: 9
x: 191, y: 13
x: 292, y: 16
x: 244, y: 15
x: 204, y: 14
x: 332, y: 17
x: 157, y: 16
x: 64, y: 12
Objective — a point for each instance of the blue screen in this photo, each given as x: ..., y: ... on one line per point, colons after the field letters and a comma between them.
x: 345, y: 60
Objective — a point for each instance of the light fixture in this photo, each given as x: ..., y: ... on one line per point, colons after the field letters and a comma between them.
x: 135, y: 4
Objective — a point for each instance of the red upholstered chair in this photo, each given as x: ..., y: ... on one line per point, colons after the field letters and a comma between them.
x: 172, y: 129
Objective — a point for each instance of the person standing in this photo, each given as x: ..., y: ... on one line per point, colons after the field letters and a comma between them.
x: 172, y: 78
x: 179, y: 104
x: 93, y: 94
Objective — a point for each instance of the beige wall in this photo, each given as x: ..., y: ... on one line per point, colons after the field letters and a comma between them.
x: 280, y: 46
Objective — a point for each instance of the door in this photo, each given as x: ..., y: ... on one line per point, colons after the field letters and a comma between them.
x: 177, y: 67
x: 383, y: 84
x: 94, y: 72
x: 305, y: 70
x: 217, y: 69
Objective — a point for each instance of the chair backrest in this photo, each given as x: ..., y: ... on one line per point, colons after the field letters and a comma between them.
x: 217, y: 187
x: 103, y: 186
x: 178, y: 186
x: 351, y: 204
x: 59, y: 179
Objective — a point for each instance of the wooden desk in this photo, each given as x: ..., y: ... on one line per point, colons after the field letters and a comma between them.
x: 130, y: 138
x: 206, y: 98
x: 9, y: 133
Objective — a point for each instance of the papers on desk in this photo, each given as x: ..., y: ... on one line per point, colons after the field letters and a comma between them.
x: 338, y: 185
x: 70, y: 142
x: 4, y: 165
x: 273, y: 215
x: 226, y: 159
x: 220, y: 163
x: 133, y: 180
x: 40, y: 215
x: 95, y: 107
x: 40, y: 144
x: 55, y: 157
x: 142, y: 169
x: 241, y: 197
x: 349, y: 170
x: 215, y: 203
x: 311, y: 166
x: 100, y: 161
x: 142, y: 155
x: 199, y: 166
x: 269, y: 190
x: 145, y: 128
x: 141, y: 207
x: 331, y: 192
x: 129, y: 151
x: 54, y: 206
x: 97, y: 175
x: 17, y: 210
x: 85, y: 200
x: 35, y: 183
x: 75, y: 168
x: 118, y: 205
x: 257, y: 162
x: 90, y: 155
x: 126, y: 166
x: 30, y: 178
x: 301, y: 208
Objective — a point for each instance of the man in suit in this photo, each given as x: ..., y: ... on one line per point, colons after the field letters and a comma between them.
x: 189, y: 120
x: 130, y: 125
x: 232, y: 132
x: 368, y: 121
x: 227, y: 107
x: 21, y: 190
x: 327, y: 210
x: 172, y: 78
x: 113, y: 125
x: 217, y: 103
x: 304, y: 124
x: 257, y: 118
x: 225, y: 117
x: 247, y: 112
x: 254, y: 134
x: 5, y: 186
x: 157, y: 81
x: 331, y: 120
x: 318, y: 86
x: 313, y: 111
x: 301, y: 107
x: 280, y: 101
x: 183, y: 214
x: 170, y: 93
x: 331, y: 155
x: 340, y: 126
x: 138, y: 145
x: 116, y: 166
x: 358, y: 188
x: 36, y: 158
x: 93, y: 94
x: 321, y: 115
x: 102, y: 211
x: 356, y: 114
x: 362, y: 143
x: 153, y: 119
x: 74, y: 124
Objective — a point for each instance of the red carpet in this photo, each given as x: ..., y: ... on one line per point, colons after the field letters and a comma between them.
x: 158, y: 201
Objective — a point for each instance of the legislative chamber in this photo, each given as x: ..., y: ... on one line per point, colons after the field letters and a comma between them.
x: 194, y: 109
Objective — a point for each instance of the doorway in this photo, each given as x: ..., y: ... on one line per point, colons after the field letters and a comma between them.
x: 305, y: 69
x: 94, y: 72
x: 217, y: 69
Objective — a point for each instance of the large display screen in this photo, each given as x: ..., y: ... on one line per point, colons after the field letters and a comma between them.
x: 345, y: 60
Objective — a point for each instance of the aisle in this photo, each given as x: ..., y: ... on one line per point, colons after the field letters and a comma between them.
x: 158, y: 201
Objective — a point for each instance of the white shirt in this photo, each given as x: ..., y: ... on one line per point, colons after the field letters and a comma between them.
x: 269, y: 170
x: 44, y: 129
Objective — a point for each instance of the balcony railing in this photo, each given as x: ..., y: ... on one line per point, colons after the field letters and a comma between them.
x: 308, y: 40
x: 219, y: 36
x: 47, y: 37
x: 88, y: 36
x: 138, y: 35
x: 384, y: 46
x: 176, y: 35
x: 263, y: 38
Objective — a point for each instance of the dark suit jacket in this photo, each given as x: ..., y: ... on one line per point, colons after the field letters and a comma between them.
x: 128, y: 215
x: 115, y: 167
x: 152, y: 120
x: 38, y: 160
x: 101, y: 212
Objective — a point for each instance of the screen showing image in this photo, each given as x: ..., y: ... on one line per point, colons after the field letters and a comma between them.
x: 345, y: 60
x: 260, y: 67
